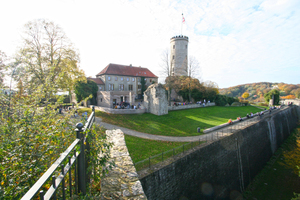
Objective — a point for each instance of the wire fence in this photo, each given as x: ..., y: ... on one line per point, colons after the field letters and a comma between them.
x: 209, y: 137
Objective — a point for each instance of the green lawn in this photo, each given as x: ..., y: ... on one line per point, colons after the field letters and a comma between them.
x: 176, y: 123
x: 276, y: 181
x: 141, y: 149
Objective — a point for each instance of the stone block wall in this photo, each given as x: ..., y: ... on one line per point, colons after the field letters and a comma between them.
x: 222, y: 169
x: 189, y: 106
x: 287, y: 101
x: 120, y: 111
x: 122, y: 180
x: 155, y: 100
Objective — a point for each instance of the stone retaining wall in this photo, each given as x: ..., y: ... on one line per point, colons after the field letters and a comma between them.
x: 208, y: 130
x: 189, y: 106
x: 287, y: 101
x: 143, y: 110
x: 122, y: 180
x: 224, y: 168
x: 120, y: 111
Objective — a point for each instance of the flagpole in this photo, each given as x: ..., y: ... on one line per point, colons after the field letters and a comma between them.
x: 181, y: 24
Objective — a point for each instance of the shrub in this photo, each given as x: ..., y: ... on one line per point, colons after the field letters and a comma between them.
x: 31, y: 139
x: 263, y: 104
x: 236, y: 104
x: 245, y: 102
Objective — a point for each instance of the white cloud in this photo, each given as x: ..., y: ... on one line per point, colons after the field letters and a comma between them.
x: 235, y: 41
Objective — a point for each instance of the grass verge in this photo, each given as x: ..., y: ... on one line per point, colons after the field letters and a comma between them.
x: 176, y: 123
x: 141, y: 149
x: 278, y: 180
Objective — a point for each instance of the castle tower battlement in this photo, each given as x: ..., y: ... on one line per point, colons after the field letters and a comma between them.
x: 179, y: 55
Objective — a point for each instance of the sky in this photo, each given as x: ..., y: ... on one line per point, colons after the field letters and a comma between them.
x: 235, y: 41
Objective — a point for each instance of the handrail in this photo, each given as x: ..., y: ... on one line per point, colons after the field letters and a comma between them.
x: 37, y: 186
x: 56, y: 181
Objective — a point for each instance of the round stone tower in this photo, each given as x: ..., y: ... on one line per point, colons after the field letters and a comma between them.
x: 179, y: 55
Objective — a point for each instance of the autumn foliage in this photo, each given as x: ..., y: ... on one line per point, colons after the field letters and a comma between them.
x: 292, y: 157
x: 258, y: 90
x: 288, y: 97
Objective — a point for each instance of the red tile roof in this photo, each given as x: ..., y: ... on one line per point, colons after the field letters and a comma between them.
x: 126, y: 70
x: 96, y: 80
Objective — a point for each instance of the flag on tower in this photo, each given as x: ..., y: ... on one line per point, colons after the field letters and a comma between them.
x: 183, y: 20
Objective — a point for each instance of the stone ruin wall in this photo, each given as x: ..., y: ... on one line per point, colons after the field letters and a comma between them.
x: 155, y: 100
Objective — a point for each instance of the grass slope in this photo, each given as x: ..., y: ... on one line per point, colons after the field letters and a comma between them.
x: 141, y: 149
x: 276, y: 181
x: 176, y: 123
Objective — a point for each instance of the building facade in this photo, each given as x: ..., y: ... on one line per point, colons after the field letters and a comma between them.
x: 121, y: 83
x: 179, y: 55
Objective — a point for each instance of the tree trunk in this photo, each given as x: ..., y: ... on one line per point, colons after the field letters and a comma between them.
x: 169, y: 96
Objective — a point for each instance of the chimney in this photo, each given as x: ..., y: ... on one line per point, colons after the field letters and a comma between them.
x: 130, y: 65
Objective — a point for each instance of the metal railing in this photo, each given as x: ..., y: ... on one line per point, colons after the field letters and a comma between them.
x: 210, y: 137
x: 74, y: 158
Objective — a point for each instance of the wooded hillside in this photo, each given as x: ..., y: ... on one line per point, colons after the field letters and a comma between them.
x: 257, y: 90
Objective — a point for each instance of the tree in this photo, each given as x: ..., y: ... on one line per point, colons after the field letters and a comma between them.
x: 32, y: 138
x: 296, y: 92
x: 269, y: 95
x: 84, y: 89
x: 165, y: 71
x: 143, y: 85
x: 289, y: 97
x: 2, y: 66
x: 67, y: 80
x: 211, y: 90
x: 48, y: 57
x: 221, y: 100
x: 245, y: 95
x: 192, y: 72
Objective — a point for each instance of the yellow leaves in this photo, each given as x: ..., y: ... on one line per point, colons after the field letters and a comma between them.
x: 245, y: 95
x: 292, y: 157
x: 2, y: 183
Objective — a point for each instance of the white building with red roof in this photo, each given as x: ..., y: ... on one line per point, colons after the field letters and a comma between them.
x: 121, y: 83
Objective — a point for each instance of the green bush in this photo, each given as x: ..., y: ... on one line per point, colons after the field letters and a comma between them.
x: 245, y: 102
x: 31, y: 139
x: 236, y: 104
x: 269, y: 95
x: 263, y: 104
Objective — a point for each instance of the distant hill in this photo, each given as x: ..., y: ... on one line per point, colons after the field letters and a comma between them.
x: 257, y: 90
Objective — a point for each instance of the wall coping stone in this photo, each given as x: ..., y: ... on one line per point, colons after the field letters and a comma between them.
x: 122, y: 180
x: 189, y: 106
x: 119, y: 111
x: 208, y: 130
